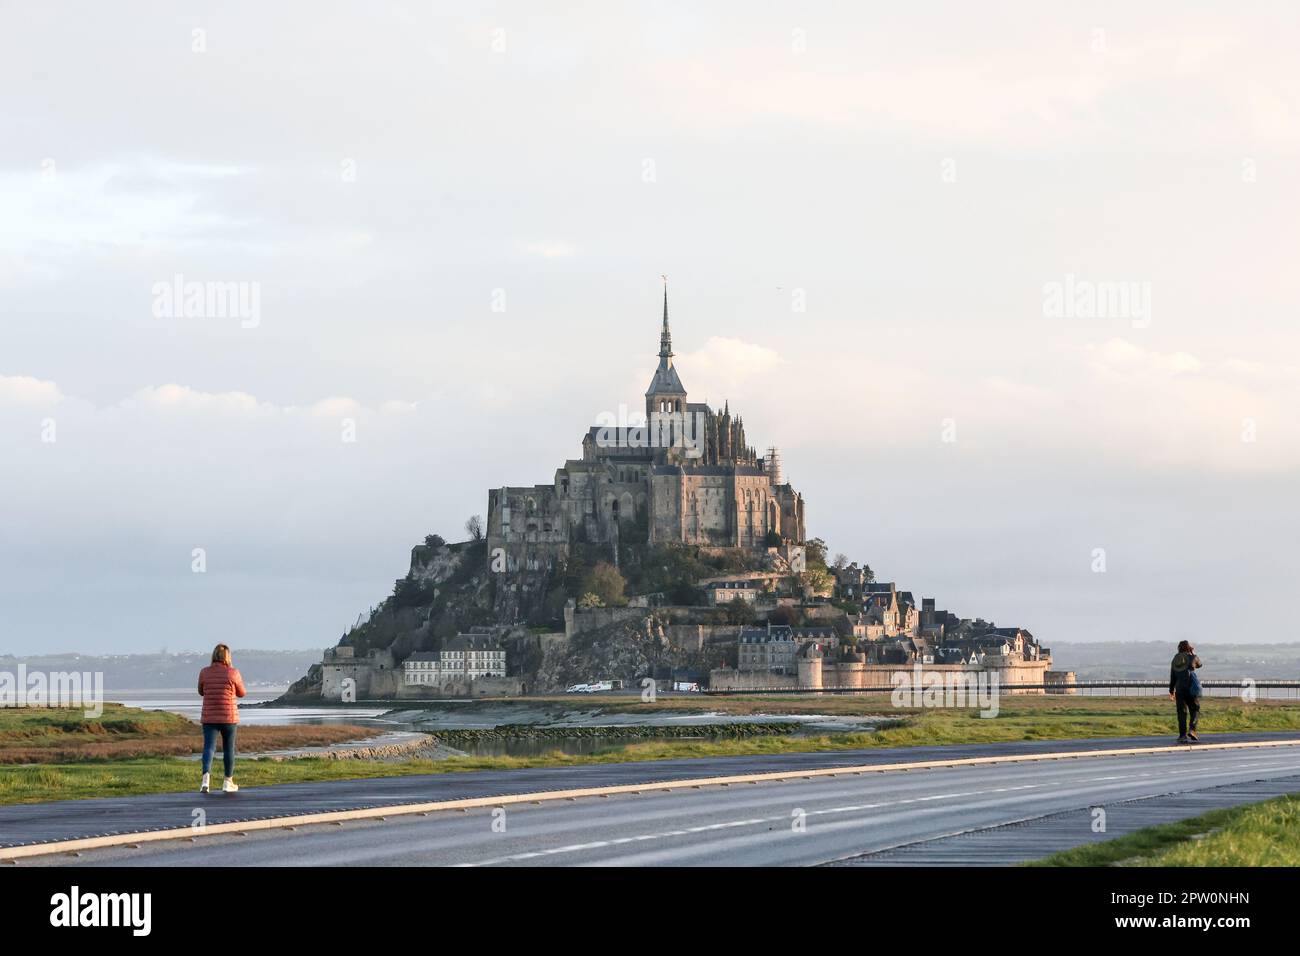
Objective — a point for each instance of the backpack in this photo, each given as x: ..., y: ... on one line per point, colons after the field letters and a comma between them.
x: 1187, y: 681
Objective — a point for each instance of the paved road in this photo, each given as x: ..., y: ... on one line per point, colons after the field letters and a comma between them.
x: 71, y: 819
x: 1026, y: 841
x: 798, y: 822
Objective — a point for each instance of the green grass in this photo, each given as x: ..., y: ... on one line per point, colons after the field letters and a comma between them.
x: 1062, y: 719
x: 64, y: 734
x: 1121, y: 715
x: 41, y: 726
x: 1020, y: 718
x: 1257, y: 834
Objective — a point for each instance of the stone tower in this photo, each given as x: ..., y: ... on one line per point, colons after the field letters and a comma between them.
x: 666, y: 394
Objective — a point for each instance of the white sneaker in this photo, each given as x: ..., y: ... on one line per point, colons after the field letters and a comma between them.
x: 203, y: 786
x: 229, y: 785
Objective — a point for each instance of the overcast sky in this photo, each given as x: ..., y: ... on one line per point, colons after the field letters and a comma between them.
x: 455, y: 217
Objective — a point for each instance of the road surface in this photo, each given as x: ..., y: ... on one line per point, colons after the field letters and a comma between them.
x: 796, y: 822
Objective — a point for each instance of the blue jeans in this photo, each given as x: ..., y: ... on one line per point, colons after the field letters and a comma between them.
x: 227, y: 732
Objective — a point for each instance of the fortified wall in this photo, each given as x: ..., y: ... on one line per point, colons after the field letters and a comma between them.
x: 818, y: 674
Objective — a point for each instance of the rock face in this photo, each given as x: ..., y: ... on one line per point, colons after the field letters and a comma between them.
x: 623, y: 650
x: 309, y: 686
x: 435, y: 565
x: 453, y: 589
x: 447, y: 591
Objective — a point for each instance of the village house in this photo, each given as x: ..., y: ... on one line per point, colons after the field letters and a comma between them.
x: 464, y: 657
x: 753, y: 588
x: 774, y: 647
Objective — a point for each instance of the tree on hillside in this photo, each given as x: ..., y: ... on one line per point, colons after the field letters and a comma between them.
x: 815, y: 553
x: 410, y: 592
x: 474, y: 527
x: 739, y: 611
x: 606, y: 583
x: 818, y: 580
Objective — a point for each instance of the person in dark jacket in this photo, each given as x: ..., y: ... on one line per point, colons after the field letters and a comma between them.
x: 1185, y: 691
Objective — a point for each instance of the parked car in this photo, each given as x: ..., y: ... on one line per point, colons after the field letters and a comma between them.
x: 578, y: 689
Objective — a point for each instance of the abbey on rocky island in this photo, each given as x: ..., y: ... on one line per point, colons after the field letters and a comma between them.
x: 754, y: 607
x: 686, y: 475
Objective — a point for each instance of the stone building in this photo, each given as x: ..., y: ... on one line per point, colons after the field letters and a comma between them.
x: 469, y: 665
x: 344, y: 676
x: 774, y: 647
x: 886, y: 612
x: 754, y: 587
x: 766, y: 649
x: 724, y: 592
x: 685, y: 475
x: 466, y: 657
x: 890, y: 637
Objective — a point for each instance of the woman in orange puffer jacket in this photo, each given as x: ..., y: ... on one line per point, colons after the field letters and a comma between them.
x: 219, y: 685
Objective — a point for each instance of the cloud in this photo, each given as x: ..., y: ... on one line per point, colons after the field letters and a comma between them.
x: 179, y: 398
x: 1121, y: 358
x: 727, y: 364
x: 551, y: 249
x: 25, y: 390
x: 183, y: 401
x: 818, y: 170
x: 336, y: 406
x: 1012, y: 93
x: 1020, y: 391
x: 1177, y: 410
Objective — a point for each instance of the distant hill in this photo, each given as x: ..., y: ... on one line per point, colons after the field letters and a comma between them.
x: 1149, y: 660
x: 165, y: 671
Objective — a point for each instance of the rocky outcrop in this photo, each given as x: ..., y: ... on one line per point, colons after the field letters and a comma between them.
x: 623, y: 650
x: 307, y: 687
x: 435, y: 565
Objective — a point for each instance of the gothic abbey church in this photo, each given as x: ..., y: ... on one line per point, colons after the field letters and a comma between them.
x: 686, y: 476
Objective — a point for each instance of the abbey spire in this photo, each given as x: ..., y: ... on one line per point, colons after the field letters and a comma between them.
x: 666, y: 392
x: 665, y: 337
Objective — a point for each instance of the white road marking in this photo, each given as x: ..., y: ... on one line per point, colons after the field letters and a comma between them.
x: 732, y: 824
x: 854, y: 808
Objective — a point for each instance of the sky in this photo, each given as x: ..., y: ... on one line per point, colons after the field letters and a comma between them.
x: 1012, y: 289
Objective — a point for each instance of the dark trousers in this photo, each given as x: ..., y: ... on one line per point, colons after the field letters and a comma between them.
x: 1189, y: 705
x: 227, y: 732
